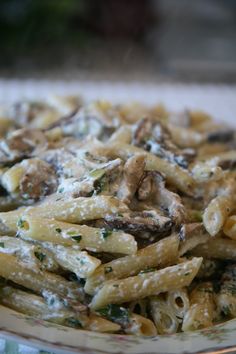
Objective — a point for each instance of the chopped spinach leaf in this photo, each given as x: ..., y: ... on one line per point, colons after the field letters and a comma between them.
x: 21, y: 223
x: 2, y: 244
x: 147, y: 270
x: 105, y: 233
x: 115, y: 313
x: 58, y: 230
x: 108, y: 270
x: 41, y: 256
x: 73, y: 322
x: 77, y: 238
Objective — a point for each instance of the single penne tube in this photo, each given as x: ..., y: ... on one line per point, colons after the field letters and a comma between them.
x: 178, y: 301
x: 141, y: 326
x: 192, y: 235
x: 219, y: 248
x: 163, y: 316
x: 33, y: 254
x: 74, y: 211
x: 12, y: 269
x: 225, y: 298
x: 185, y: 137
x: 35, y: 305
x: 159, y: 254
x: 216, y: 213
x: 229, y: 228
x: 202, y: 307
x: 78, y: 262
x: 146, y: 284
x: 122, y: 135
x: 85, y: 237
x: 99, y: 324
x: 174, y: 174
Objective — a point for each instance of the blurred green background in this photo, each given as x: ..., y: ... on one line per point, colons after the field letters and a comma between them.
x: 153, y: 40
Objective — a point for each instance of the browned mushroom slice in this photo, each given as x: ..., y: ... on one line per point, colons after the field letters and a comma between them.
x: 221, y: 136
x: 136, y: 222
x: 133, y: 173
x: 142, y: 132
x: 38, y: 180
x: 156, y: 138
x: 153, y: 189
x: 21, y: 144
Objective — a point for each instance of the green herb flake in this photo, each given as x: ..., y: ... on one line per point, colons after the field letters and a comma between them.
x: 97, y: 173
x: 61, y: 190
x: 108, y: 270
x: 147, y: 270
x: 115, y: 286
x: 115, y: 313
x: 41, y: 256
x: 73, y: 322
x: 72, y: 233
x: 105, y: 233
x: 21, y: 223
x: 186, y: 274
x: 2, y: 244
x: 58, y: 230
x: 77, y: 238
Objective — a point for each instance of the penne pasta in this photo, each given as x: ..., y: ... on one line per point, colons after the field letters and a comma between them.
x: 163, y: 316
x: 19, y: 273
x: 160, y: 254
x: 85, y: 237
x: 202, y: 307
x: 216, y: 214
x: 141, y: 326
x: 178, y: 301
x: 147, y: 284
x: 230, y: 227
x: 219, y: 248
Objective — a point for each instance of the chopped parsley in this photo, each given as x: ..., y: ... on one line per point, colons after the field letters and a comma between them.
x: 61, y: 190
x: 97, y: 173
x: 82, y: 261
x: 147, y: 270
x: 2, y: 244
x: 108, y: 270
x: 21, y: 223
x: 73, y: 322
x: 186, y: 274
x: 115, y: 313
x: 105, y: 233
x: 58, y: 230
x: 71, y: 233
x: 41, y: 256
x: 77, y: 238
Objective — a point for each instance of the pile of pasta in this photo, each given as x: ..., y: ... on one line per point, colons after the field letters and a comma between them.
x: 117, y: 218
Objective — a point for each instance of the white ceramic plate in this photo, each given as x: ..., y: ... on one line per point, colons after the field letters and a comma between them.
x: 220, y: 101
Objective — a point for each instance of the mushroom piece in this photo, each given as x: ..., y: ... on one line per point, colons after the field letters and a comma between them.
x: 21, y: 144
x: 140, y: 222
x: 221, y: 136
x: 156, y: 138
x: 153, y: 189
x: 132, y: 175
x: 39, y: 179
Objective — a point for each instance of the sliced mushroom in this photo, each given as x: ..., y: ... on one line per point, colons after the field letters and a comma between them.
x: 20, y: 144
x: 221, y: 136
x: 140, y: 222
x: 133, y: 173
x: 153, y: 189
x: 38, y: 180
x: 156, y: 138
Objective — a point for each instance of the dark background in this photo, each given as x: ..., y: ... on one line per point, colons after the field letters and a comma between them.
x: 158, y: 40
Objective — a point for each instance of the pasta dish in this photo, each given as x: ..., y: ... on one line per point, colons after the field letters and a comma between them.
x: 117, y: 218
